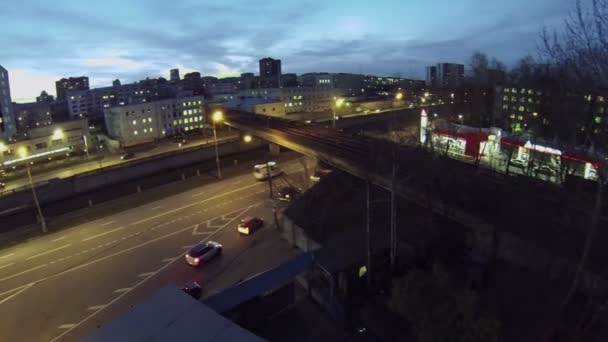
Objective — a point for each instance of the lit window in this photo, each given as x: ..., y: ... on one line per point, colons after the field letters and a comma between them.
x: 521, y: 108
x: 180, y: 121
x: 135, y: 132
x: 598, y: 120
x: 134, y: 122
x: 145, y: 130
x: 512, y: 116
x: 150, y: 129
x: 530, y: 100
x: 186, y: 128
x: 520, y: 117
x: 143, y: 120
x: 174, y: 122
x: 163, y: 132
x: 505, y: 106
x: 505, y: 98
x: 199, y: 102
x: 149, y: 119
x: 185, y: 112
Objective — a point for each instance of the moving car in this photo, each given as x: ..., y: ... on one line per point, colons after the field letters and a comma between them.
x: 288, y: 193
x: 128, y: 155
x: 203, y: 252
x: 518, y: 163
x: 193, y: 289
x: 250, y: 224
x: 263, y: 171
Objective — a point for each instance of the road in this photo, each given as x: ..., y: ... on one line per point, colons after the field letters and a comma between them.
x: 108, y: 160
x: 63, y: 285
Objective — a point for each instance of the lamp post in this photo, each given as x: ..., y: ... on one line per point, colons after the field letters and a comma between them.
x: 23, y: 153
x: 217, y: 117
x: 338, y: 102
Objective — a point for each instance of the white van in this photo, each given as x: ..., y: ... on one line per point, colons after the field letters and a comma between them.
x: 263, y: 171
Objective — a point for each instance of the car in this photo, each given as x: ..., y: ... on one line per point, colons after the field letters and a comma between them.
x: 127, y: 156
x: 518, y: 163
x: 203, y: 253
x: 544, y: 170
x: 319, y: 173
x: 193, y: 289
x: 250, y: 224
x: 2, y: 185
x: 288, y: 193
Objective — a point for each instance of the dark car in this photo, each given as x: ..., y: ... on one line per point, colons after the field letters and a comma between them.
x: 203, y: 253
x: 2, y: 185
x: 288, y: 193
x: 193, y: 289
x: 128, y: 155
x: 250, y: 224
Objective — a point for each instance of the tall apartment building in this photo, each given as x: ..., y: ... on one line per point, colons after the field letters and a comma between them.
x: 270, y: 73
x: 72, y: 83
x: 174, y: 75
x: 32, y: 115
x: 7, y: 117
x: 445, y: 75
x: 146, y: 122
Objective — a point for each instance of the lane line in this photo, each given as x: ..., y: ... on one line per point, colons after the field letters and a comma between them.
x: 188, y: 246
x: 11, y: 264
x: 7, y: 255
x: 157, y: 207
x: 107, y: 223
x: 124, y: 289
x: 168, y: 259
x: 197, y: 203
x: 47, y: 252
x: 96, y: 307
x: 147, y: 274
x: 104, y: 233
x: 57, y: 239
x: 67, y: 326
x: 23, y: 288
x: 245, y: 209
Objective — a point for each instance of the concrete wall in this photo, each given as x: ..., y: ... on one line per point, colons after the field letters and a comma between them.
x: 57, y: 189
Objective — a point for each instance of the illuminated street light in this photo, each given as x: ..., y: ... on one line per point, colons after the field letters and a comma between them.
x: 426, y: 94
x: 247, y: 138
x: 22, y: 151
x: 57, y: 134
x: 423, y: 100
x: 338, y: 102
x: 217, y: 117
x: 399, y: 96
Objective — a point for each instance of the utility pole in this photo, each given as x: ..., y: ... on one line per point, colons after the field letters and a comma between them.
x: 269, y: 177
x: 393, y: 247
x: 368, y: 233
x: 29, y: 176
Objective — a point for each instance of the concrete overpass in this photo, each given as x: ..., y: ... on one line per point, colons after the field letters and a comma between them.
x: 525, y: 221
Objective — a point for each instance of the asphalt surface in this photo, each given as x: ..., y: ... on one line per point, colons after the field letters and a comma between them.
x: 108, y: 160
x: 61, y: 286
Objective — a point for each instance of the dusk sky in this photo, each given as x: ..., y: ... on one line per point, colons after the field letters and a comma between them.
x: 43, y: 41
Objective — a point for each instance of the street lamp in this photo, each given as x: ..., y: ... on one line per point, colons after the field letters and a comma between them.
x: 399, y: 96
x: 247, y: 138
x: 57, y: 134
x: 338, y: 102
x: 23, y: 153
x: 217, y: 117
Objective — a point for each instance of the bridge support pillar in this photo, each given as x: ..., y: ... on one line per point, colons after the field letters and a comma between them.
x: 275, y: 149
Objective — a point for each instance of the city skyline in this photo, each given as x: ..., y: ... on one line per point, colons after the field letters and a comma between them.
x: 132, y: 42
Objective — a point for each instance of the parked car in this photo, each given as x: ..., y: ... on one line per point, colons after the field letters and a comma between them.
x: 127, y: 156
x: 288, y: 193
x: 203, y: 253
x: 544, y: 170
x: 518, y: 163
x: 193, y: 289
x: 250, y: 224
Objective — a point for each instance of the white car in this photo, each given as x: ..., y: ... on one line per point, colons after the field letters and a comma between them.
x: 203, y: 253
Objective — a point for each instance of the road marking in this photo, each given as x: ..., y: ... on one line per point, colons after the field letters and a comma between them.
x: 23, y: 272
x: 124, y: 289
x: 197, y: 203
x: 57, y: 239
x: 237, y: 182
x: 157, y: 207
x: 188, y: 246
x: 67, y: 326
x: 104, y: 233
x: 47, y: 252
x: 124, y: 293
x: 11, y: 264
x: 107, y: 223
x: 147, y: 274
x: 21, y: 289
x: 168, y: 259
x: 7, y: 255
x: 96, y: 307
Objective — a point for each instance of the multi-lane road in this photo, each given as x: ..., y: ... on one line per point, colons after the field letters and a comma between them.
x: 62, y: 286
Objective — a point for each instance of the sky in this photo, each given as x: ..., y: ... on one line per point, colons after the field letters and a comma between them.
x: 43, y: 41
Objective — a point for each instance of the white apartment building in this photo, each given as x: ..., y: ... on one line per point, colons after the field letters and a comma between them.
x: 146, y: 122
x: 298, y: 99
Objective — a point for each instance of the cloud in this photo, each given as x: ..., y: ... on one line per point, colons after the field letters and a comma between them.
x: 222, y: 70
x: 22, y: 81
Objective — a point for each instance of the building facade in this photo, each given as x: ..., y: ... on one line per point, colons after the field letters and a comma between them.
x: 44, y: 97
x: 317, y: 79
x: 270, y: 73
x: 258, y: 105
x: 298, y: 99
x: 431, y: 76
x: 47, y: 142
x: 7, y: 117
x: 174, y: 75
x: 146, y: 122
x: 32, y: 115
x: 289, y: 80
x: 72, y: 83
x: 445, y: 75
